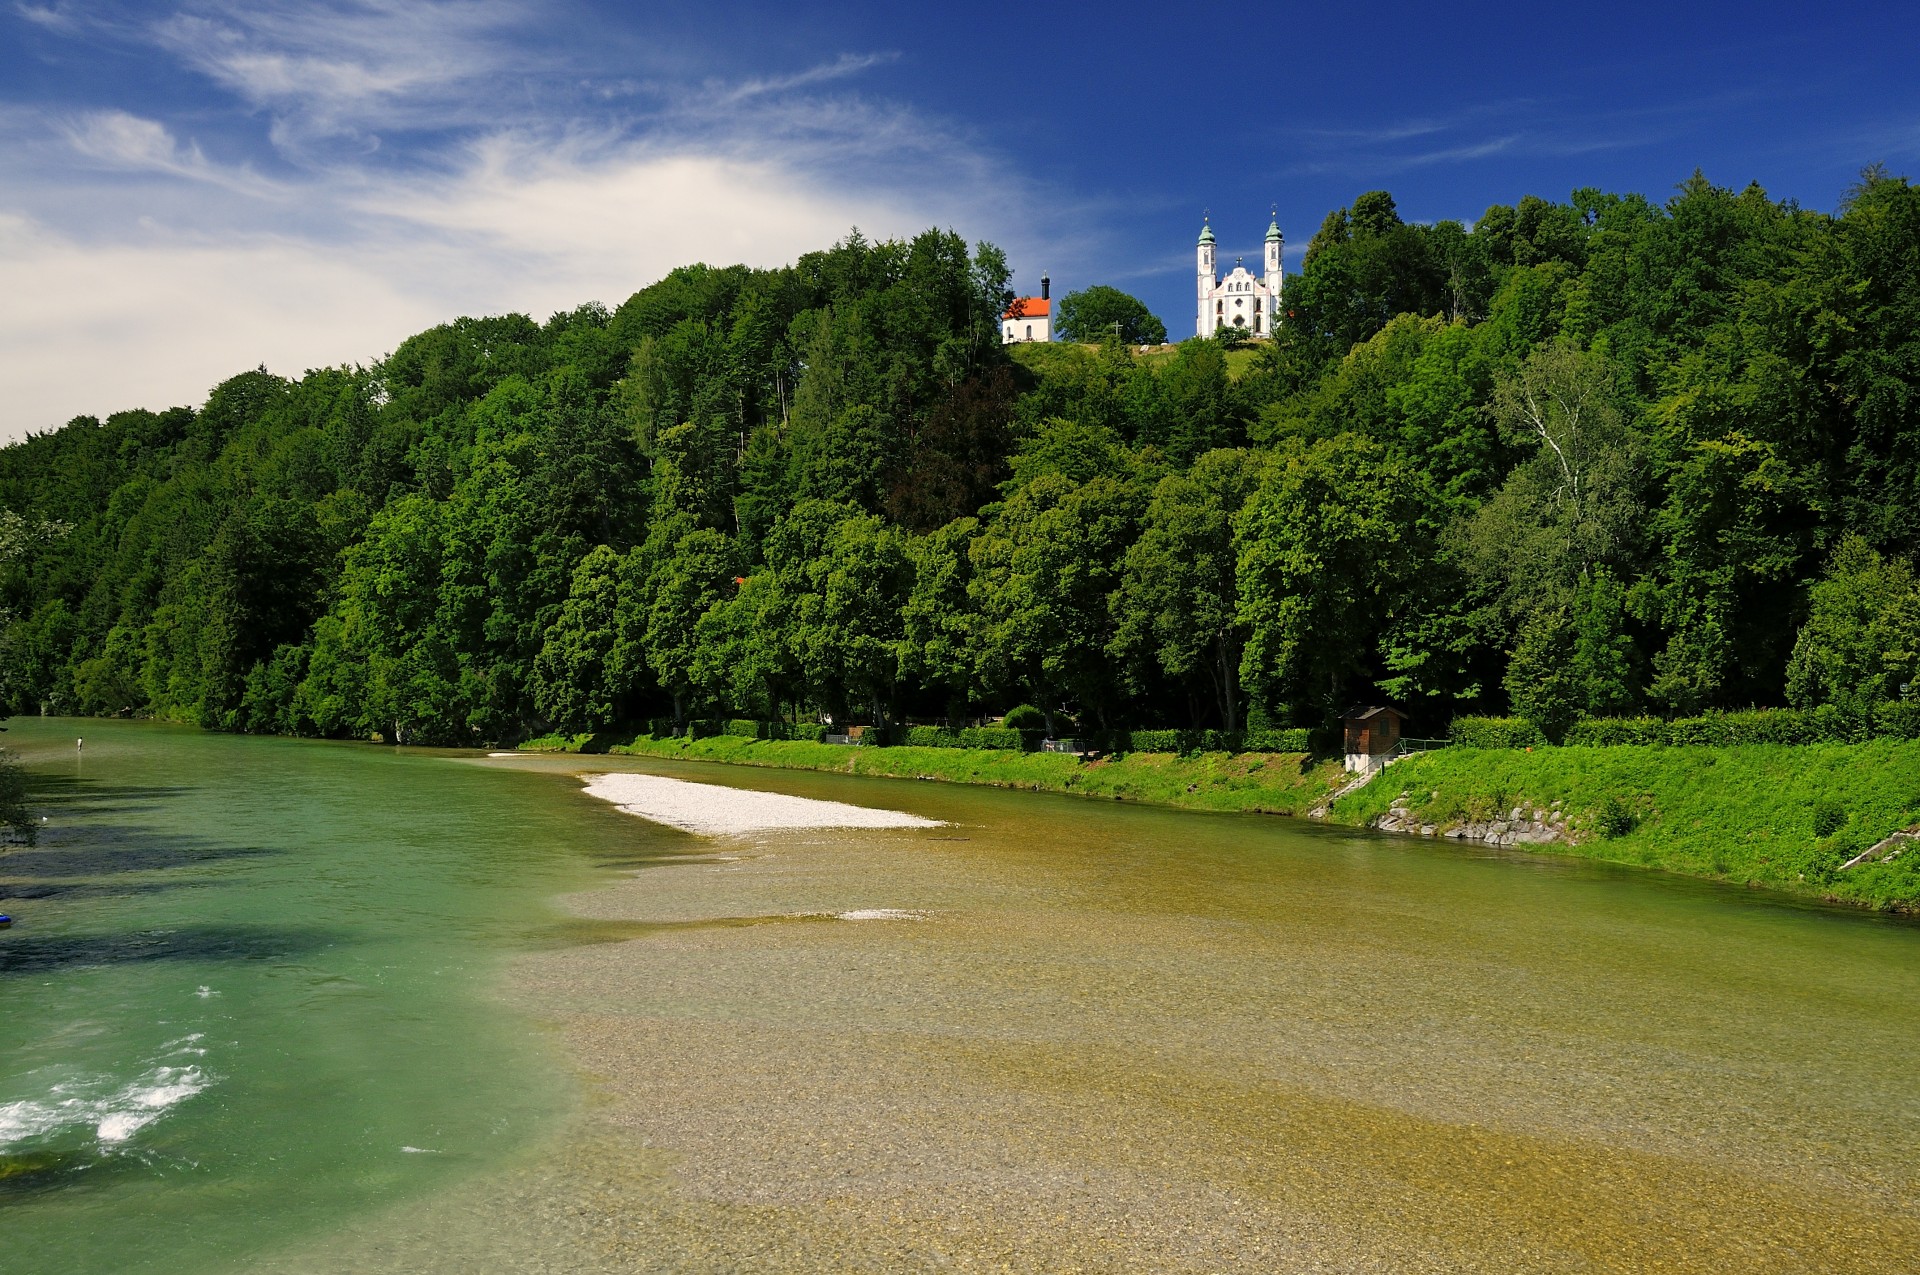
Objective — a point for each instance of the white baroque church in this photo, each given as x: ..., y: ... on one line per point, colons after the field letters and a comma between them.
x: 1239, y: 299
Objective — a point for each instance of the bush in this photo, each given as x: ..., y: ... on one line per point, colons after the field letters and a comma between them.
x: 1616, y: 818
x: 930, y: 737
x: 661, y: 728
x: 1615, y: 732
x: 1495, y: 732
x: 1276, y: 740
x: 992, y: 737
x: 1898, y: 720
x: 1181, y: 741
x: 1024, y: 717
x: 809, y: 732
x: 1829, y: 817
x: 744, y: 728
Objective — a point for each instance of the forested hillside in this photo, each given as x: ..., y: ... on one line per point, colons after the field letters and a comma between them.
x: 1596, y: 457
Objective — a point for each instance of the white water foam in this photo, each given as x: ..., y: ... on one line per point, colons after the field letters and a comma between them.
x: 114, y: 1114
x: 715, y: 810
x: 881, y: 914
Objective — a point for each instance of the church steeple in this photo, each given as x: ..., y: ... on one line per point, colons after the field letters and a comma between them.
x: 1276, y: 243
x: 1206, y: 277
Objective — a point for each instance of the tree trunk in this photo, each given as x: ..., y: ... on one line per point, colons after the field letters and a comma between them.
x: 1229, y: 693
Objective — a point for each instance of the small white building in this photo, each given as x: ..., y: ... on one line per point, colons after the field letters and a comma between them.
x: 1240, y: 299
x: 1029, y: 318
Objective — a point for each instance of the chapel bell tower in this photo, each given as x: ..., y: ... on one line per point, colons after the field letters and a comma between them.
x: 1208, y: 279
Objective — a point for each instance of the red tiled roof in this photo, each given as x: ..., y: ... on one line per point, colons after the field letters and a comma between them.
x: 1029, y: 308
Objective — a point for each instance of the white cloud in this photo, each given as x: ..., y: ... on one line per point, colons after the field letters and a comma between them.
x: 159, y: 316
x: 140, y: 265
x: 325, y: 69
x: 847, y: 64
x: 117, y: 139
x: 52, y: 17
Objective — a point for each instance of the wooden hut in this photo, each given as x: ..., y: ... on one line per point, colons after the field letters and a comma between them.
x: 1372, y: 730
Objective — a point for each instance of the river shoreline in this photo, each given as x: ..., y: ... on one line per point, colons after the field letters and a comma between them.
x: 1737, y: 815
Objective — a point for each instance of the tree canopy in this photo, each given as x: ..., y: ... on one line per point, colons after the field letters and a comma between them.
x: 1099, y: 312
x: 1593, y: 456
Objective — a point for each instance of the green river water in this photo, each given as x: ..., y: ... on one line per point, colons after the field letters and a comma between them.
x: 286, y: 1006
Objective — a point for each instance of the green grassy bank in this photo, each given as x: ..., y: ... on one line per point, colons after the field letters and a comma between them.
x: 1255, y: 783
x: 1742, y: 814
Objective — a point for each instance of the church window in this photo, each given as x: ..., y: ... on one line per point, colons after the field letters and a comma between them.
x: 1029, y: 332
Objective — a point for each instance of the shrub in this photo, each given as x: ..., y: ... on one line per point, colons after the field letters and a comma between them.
x: 1614, y: 732
x: 661, y: 728
x: 1616, y: 818
x: 1495, y: 732
x: 1186, y: 741
x: 745, y: 728
x: 1276, y: 740
x: 992, y: 737
x: 1898, y: 720
x: 1828, y: 724
x: 811, y: 732
x: 1024, y: 717
x: 930, y: 737
x: 1829, y: 817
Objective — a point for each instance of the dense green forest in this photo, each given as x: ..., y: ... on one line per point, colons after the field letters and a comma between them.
x: 1597, y: 457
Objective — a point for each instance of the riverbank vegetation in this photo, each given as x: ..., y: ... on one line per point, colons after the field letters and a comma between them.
x: 1600, y: 457
x: 1254, y: 783
x: 1783, y: 816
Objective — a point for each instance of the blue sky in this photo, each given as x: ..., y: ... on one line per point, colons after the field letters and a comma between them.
x: 190, y: 189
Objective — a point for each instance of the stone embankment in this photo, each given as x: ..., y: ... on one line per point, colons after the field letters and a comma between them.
x: 1890, y: 847
x: 1523, y: 826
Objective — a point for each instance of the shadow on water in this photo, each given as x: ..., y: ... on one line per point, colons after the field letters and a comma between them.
x: 37, y: 954
x: 103, y: 850
x: 70, y: 792
x: 77, y: 891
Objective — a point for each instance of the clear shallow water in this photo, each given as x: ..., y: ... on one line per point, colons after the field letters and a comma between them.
x: 1110, y: 1038
x: 249, y: 989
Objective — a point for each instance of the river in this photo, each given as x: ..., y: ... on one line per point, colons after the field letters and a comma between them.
x: 285, y: 1006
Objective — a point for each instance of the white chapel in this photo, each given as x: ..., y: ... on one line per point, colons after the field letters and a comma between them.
x: 1240, y: 298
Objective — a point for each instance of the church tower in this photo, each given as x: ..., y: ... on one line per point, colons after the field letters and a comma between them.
x: 1275, y: 242
x: 1209, y: 279
x: 1239, y: 299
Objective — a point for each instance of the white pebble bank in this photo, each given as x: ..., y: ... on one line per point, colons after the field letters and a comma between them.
x: 713, y: 810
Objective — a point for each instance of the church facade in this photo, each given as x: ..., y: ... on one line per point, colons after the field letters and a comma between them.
x: 1240, y: 299
x: 1029, y: 318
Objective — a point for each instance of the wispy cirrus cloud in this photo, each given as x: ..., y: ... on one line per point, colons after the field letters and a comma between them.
x: 353, y: 170
x: 119, y: 140
x: 345, y: 67
x: 843, y: 67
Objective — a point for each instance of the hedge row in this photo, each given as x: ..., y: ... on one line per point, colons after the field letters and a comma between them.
x: 1263, y: 740
x: 741, y: 727
x: 1825, y: 725
x: 1495, y: 732
x: 1000, y: 738
x: 991, y: 737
